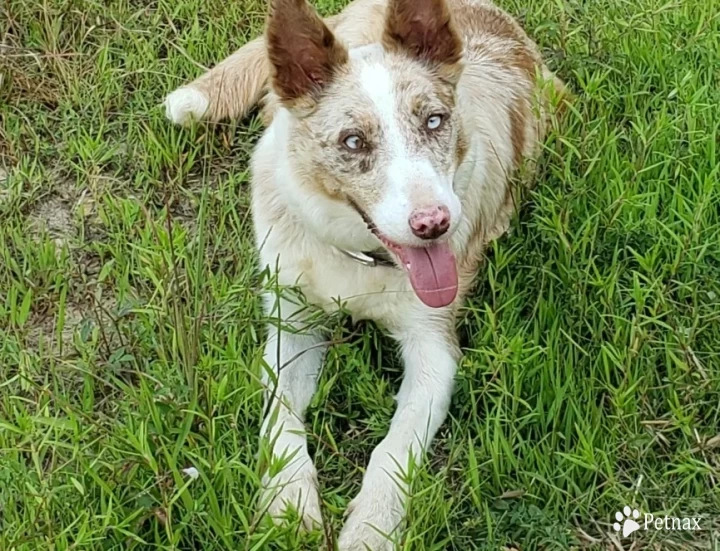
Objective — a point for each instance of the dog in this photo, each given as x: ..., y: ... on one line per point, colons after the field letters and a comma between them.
x: 396, y: 135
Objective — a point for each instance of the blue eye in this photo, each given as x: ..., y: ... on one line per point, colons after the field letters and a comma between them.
x: 353, y: 143
x: 434, y: 122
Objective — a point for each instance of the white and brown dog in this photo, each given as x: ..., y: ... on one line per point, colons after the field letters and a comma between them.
x: 395, y: 129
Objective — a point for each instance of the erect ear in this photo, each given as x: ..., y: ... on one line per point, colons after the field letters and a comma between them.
x: 423, y: 29
x: 303, y: 53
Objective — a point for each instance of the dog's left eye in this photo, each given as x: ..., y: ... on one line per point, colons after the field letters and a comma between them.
x: 353, y: 142
x: 434, y: 122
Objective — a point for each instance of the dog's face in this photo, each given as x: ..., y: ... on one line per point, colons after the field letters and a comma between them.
x: 376, y: 130
x: 384, y: 138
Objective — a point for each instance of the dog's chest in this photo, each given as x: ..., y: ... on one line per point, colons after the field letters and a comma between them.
x: 332, y: 281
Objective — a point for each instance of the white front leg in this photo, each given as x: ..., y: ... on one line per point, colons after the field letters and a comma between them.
x: 294, y: 358
x: 430, y: 356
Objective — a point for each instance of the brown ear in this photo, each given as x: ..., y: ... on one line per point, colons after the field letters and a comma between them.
x: 423, y: 29
x: 303, y: 53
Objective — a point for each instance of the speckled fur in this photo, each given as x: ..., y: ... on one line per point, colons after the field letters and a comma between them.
x: 481, y: 71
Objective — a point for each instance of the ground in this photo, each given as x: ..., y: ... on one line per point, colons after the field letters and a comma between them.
x: 130, y: 329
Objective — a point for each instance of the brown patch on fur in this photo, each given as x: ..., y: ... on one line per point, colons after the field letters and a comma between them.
x: 489, y: 19
x: 304, y: 54
x: 512, y: 55
x: 518, y: 120
x: 504, y: 41
x: 445, y: 93
x: 423, y: 29
x: 521, y: 58
x: 461, y: 148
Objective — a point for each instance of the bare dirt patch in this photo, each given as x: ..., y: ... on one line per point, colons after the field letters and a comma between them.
x: 54, y: 216
x: 81, y: 314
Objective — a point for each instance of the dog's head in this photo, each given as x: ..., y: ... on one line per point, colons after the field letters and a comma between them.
x: 376, y: 132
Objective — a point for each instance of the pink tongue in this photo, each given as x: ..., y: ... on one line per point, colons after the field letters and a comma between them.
x: 433, y: 273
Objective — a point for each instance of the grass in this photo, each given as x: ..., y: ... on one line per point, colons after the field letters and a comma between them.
x: 130, y: 328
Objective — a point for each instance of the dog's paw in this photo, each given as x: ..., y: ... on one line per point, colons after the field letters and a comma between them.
x: 294, y: 487
x: 373, y: 518
x: 185, y: 105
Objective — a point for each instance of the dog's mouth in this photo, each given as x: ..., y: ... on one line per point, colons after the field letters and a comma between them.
x: 432, y: 269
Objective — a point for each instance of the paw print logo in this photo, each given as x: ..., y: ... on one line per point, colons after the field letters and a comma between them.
x: 629, y: 525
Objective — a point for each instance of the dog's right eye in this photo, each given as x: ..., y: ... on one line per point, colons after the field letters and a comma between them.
x: 353, y: 142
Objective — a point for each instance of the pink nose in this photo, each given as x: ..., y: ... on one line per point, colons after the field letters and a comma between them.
x: 430, y: 222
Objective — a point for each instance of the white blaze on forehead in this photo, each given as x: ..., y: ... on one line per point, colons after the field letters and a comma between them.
x: 394, y: 209
x: 377, y: 83
x: 409, y: 179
